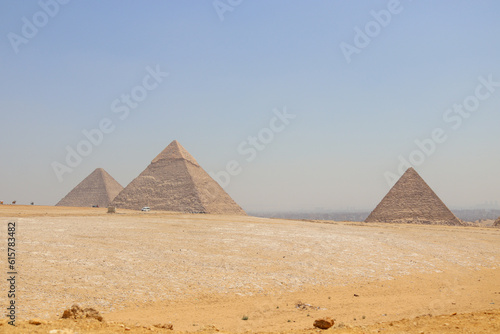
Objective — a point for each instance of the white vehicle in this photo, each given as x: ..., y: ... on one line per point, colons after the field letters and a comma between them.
x: 146, y: 208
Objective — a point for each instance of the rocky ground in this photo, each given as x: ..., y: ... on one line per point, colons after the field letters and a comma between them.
x: 478, y: 322
x: 207, y: 272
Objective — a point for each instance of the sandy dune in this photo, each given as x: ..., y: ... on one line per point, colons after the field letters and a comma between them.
x: 200, y: 270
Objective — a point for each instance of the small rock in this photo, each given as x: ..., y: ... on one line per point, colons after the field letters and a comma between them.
x: 127, y: 328
x: 76, y: 312
x: 37, y: 322
x: 72, y: 313
x: 304, y: 306
x: 210, y: 329
x: 323, y: 323
x: 91, y: 313
x: 165, y: 326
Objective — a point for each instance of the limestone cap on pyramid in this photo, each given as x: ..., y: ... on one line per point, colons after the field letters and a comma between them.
x: 175, y: 151
x: 174, y: 181
x: 98, y: 188
x: 411, y: 200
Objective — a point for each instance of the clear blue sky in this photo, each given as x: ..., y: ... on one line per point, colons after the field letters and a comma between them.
x: 225, y: 77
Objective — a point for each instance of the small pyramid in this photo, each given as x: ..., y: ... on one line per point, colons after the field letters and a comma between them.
x: 497, y: 222
x: 411, y: 200
x: 99, y: 188
x: 174, y: 181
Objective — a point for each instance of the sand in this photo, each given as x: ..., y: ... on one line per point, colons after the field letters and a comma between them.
x: 201, y: 272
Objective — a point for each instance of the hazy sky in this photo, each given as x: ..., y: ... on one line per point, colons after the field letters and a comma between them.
x: 359, y: 82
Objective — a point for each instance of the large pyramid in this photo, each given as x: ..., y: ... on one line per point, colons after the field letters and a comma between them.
x: 99, y: 188
x: 411, y: 200
x: 497, y: 222
x: 174, y: 181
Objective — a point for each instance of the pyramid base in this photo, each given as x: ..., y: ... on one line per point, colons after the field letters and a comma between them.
x: 419, y: 221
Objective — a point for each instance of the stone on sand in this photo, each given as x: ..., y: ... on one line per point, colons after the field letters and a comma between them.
x: 324, y: 323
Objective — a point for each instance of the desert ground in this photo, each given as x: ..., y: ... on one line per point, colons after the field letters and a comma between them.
x: 231, y: 274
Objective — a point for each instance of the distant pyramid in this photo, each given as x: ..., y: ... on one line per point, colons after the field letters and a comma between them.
x: 174, y: 181
x: 497, y: 222
x: 411, y: 200
x: 99, y: 188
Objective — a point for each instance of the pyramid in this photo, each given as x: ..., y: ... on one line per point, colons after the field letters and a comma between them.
x: 99, y: 188
x: 411, y: 200
x: 497, y: 222
x: 174, y: 181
